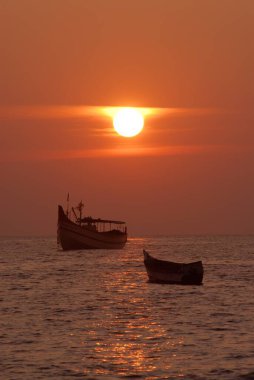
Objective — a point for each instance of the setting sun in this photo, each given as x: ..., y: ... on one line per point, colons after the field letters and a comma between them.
x: 128, y: 122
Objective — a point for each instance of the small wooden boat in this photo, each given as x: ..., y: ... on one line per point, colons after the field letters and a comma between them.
x: 167, y: 272
x: 88, y: 232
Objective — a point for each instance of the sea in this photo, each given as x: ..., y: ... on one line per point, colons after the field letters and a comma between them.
x: 93, y: 314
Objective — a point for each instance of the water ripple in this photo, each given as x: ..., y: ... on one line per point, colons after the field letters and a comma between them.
x: 93, y: 315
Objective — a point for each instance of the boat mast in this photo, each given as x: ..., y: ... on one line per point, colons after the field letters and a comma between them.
x: 74, y: 213
x: 80, y: 208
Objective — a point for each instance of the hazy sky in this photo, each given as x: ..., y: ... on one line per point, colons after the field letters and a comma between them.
x: 191, y: 170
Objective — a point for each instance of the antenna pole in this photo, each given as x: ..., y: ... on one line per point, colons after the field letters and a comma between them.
x: 67, y: 211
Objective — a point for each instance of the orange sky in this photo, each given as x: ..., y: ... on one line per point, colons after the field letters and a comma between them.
x: 191, y: 170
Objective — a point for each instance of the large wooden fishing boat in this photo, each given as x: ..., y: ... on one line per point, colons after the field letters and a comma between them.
x: 88, y: 232
x: 168, y: 272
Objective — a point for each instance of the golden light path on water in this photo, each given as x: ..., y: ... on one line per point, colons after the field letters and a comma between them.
x: 131, y: 335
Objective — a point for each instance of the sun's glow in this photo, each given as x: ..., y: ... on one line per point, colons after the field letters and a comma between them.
x: 128, y: 122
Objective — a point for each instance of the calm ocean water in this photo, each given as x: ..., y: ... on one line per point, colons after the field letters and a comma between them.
x: 93, y: 315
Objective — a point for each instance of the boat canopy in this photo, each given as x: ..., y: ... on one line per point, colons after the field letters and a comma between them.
x: 89, y: 219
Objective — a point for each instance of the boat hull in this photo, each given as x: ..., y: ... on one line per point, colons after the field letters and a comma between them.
x: 166, y: 272
x: 72, y: 236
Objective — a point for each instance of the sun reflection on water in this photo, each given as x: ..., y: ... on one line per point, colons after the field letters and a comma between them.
x: 127, y: 339
x: 140, y: 352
